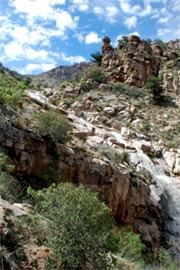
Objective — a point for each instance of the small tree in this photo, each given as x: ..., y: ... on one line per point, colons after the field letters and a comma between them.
x: 95, y: 74
x: 97, y: 58
x: 149, y: 41
x: 122, y: 42
x: 154, y: 85
x: 53, y: 125
x: 161, y: 43
x: 80, y: 226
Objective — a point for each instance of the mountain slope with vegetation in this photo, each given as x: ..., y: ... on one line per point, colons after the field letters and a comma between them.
x: 90, y: 170
x: 53, y: 77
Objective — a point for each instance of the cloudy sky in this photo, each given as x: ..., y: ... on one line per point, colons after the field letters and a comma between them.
x: 37, y: 35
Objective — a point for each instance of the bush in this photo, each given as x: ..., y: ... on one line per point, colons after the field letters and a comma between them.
x: 154, y: 85
x: 10, y: 189
x: 122, y: 42
x: 160, y: 43
x: 10, y: 95
x: 166, y: 261
x: 53, y: 125
x: 113, y: 155
x: 95, y: 74
x: 80, y: 226
x: 131, y: 244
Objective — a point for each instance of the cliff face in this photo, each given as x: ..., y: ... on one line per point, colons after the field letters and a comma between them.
x: 138, y: 60
x: 128, y: 197
x: 132, y: 66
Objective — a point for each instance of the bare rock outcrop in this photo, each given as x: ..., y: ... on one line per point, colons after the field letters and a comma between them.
x: 106, y: 47
x: 175, y: 44
x: 128, y: 197
x: 132, y: 65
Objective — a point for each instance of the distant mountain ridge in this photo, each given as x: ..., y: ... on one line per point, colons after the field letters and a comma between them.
x: 54, y: 76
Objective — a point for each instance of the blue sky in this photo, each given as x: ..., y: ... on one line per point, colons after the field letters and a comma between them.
x: 38, y: 35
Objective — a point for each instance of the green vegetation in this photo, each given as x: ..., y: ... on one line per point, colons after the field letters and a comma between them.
x: 80, y: 227
x: 113, y: 155
x: 161, y: 43
x: 133, y: 255
x: 10, y: 188
x: 122, y: 42
x: 154, y: 85
x: 145, y: 126
x: 95, y: 74
x: 131, y: 244
x: 12, y: 86
x: 5, y: 179
x: 10, y: 95
x: 97, y: 58
x: 53, y: 125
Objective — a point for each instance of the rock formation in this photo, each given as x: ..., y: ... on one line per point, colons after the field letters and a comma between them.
x: 127, y: 197
x: 132, y: 65
x: 174, y: 44
x: 106, y: 47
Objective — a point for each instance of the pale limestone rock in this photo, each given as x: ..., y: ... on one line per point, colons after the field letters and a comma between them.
x: 109, y: 110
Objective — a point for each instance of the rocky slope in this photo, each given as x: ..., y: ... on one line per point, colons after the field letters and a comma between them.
x: 132, y: 63
x: 123, y: 147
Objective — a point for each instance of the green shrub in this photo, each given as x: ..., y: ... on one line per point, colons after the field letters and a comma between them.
x: 117, y: 157
x: 161, y: 43
x: 53, y: 125
x: 154, y: 85
x: 122, y: 42
x: 80, y: 226
x: 166, y: 260
x: 10, y: 189
x: 113, y: 155
x: 95, y: 74
x: 10, y: 95
x: 27, y: 81
x: 131, y: 244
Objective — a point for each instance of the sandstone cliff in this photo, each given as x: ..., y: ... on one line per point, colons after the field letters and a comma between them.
x: 138, y: 60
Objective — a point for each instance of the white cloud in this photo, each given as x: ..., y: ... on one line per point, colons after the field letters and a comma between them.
x: 13, y: 50
x: 72, y: 59
x: 131, y: 22
x: 44, y: 12
x: 64, y: 20
x: 21, y: 34
x: 79, y: 36
x: 176, y: 5
x: 111, y: 13
x: 108, y: 12
x: 92, y: 38
x: 163, y: 20
x: 81, y: 5
x: 147, y: 11
x: 128, y: 8
x: 98, y: 10
x: 29, y: 68
x: 36, y: 8
x: 33, y: 8
x: 17, y: 51
x: 164, y: 31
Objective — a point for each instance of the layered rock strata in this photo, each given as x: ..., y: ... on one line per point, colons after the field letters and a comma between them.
x: 128, y: 197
